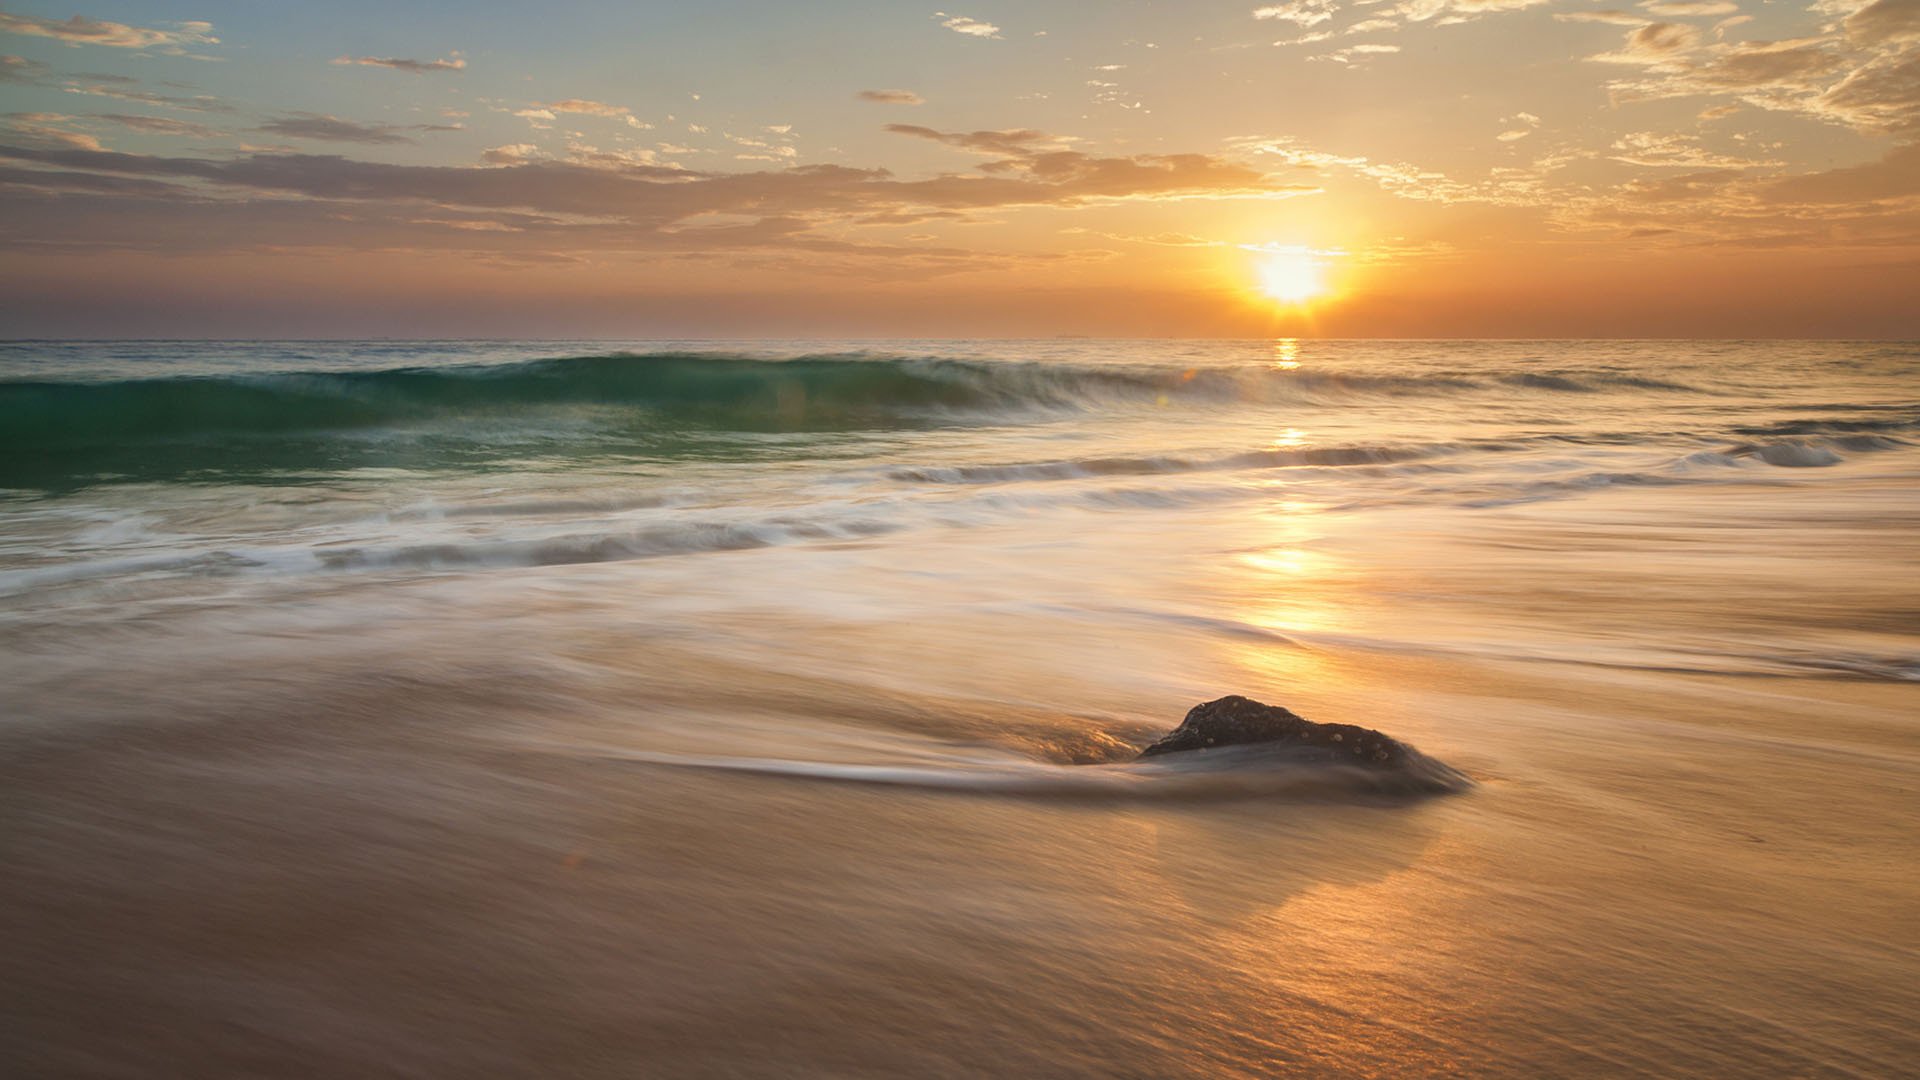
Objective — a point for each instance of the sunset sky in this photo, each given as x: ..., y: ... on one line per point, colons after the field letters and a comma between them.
x: 734, y: 169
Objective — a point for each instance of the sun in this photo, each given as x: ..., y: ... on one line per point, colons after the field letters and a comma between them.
x: 1292, y: 275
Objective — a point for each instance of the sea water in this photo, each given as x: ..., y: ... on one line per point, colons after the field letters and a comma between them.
x: 768, y: 708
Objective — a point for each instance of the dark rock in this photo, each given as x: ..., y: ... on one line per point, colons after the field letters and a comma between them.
x: 1238, y: 721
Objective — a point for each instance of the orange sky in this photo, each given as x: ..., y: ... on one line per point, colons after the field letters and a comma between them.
x: 1446, y: 167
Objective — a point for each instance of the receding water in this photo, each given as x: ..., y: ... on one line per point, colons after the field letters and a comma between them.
x: 767, y: 709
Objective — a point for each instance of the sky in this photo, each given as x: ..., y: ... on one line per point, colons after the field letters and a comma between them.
x: 729, y: 169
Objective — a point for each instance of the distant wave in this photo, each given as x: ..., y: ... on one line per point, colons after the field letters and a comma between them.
x: 625, y: 524
x: 1786, y: 453
x: 1122, y: 466
x: 677, y: 538
x: 54, y: 432
x: 1832, y: 426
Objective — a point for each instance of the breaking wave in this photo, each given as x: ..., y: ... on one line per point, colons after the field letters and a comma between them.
x: 54, y: 433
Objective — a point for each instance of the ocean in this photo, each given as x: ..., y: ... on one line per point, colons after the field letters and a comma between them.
x: 745, y: 709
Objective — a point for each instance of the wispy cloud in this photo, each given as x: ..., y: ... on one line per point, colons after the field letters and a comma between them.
x: 454, y: 62
x: 586, y: 108
x: 1862, y: 73
x: 596, y: 200
x: 119, y: 89
x: 1404, y: 179
x: 1355, y: 53
x: 961, y: 24
x: 1609, y: 17
x: 1896, y: 175
x: 891, y: 97
x: 80, y: 30
x: 47, y: 130
x: 1299, y: 12
x: 158, y: 125
x: 323, y: 128
x: 1686, y: 8
x: 19, y: 69
x: 1015, y: 142
x: 1660, y: 43
x: 1382, y: 16
x: 1663, y: 151
x: 511, y: 154
x: 1519, y: 126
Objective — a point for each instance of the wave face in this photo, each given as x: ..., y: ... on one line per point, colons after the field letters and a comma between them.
x: 62, y: 432
x: 720, y: 390
x: 446, y: 415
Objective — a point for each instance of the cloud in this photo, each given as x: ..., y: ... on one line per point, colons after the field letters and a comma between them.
x: 81, y: 30
x: 412, y: 67
x: 1873, y: 204
x: 1437, y: 12
x: 1720, y: 28
x: 1016, y: 142
x: 1683, y: 8
x: 1862, y: 72
x: 331, y: 129
x: 1878, y: 93
x: 1347, y: 55
x: 118, y: 91
x: 1164, y: 239
x: 60, y: 181
x: 1106, y: 92
x: 1503, y: 187
x: 1801, y: 63
x: 19, y: 69
x: 158, y: 125
x: 583, y: 154
x: 585, y: 108
x: 37, y: 129
x: 1520, y: 125
x: 1486, y: 7
x: 1450, y: 12
x: 767, y: 151
x: 511, y: 154
x: 602, y: 201
x: 1894, y: 176
x: 1653, y: 44
x: 1883, y: 96
x: 961, y: 24
x: 891, y: 97
x: 1885, y: 22
x: 1659, y: 150
x: 1610, y: 16
x: 1687, y: 187
x: 1303, y: 13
